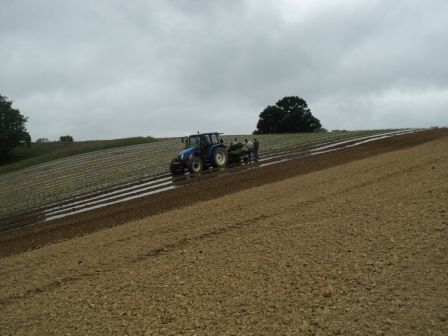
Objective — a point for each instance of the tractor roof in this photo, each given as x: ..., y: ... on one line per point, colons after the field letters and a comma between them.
x: 207, y: 133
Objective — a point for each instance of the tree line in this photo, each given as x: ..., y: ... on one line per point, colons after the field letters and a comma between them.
x: 13, y: 132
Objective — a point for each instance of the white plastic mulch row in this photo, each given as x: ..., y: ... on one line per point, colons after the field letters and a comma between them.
x: 59, y: 179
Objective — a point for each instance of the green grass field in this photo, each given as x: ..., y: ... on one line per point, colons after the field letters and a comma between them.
x: 42, y: 152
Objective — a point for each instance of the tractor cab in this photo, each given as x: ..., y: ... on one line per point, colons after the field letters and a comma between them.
x: 195, y: 139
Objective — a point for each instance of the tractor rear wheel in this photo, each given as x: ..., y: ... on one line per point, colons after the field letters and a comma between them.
x: 194, y: 165
x: 220, y: 158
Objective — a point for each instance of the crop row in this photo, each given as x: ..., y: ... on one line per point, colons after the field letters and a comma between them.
x: 51, y: 182
x: 56, y: 187
x: 61, y: 179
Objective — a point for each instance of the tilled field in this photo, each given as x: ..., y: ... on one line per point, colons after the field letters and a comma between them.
x: 356, y: 248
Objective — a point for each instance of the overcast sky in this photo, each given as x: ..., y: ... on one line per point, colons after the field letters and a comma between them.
x: 111, y: 69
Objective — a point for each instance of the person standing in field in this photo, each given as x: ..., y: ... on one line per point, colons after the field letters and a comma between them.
x: 256, y: 147
x: 250, y: 148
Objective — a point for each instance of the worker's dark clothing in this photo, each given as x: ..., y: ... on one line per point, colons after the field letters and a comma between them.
x: 256, y: 147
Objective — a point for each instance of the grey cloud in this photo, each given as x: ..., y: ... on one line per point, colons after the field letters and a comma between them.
x: 108, y: 69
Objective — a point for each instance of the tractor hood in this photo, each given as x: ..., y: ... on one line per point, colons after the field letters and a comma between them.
x: 185, y: 154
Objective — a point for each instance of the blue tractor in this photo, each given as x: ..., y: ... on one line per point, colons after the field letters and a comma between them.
x: 201, y: 151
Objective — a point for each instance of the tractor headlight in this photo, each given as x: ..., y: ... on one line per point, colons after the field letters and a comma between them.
x: 182, y: 156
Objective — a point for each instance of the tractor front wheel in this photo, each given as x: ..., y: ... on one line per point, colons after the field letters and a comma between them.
x: 194, y: 165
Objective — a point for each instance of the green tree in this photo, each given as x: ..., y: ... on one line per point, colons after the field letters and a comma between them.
x: 13, y: 132
x: 288, y: 115
x: 66, y: 138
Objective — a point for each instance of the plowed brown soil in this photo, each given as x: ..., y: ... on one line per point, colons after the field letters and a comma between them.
x: 85, y: 223
x: 356, y: 249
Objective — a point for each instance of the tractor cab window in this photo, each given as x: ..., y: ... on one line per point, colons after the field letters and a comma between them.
x: 214, y: 138
x: 204, y: 141
x: 193, y: 141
